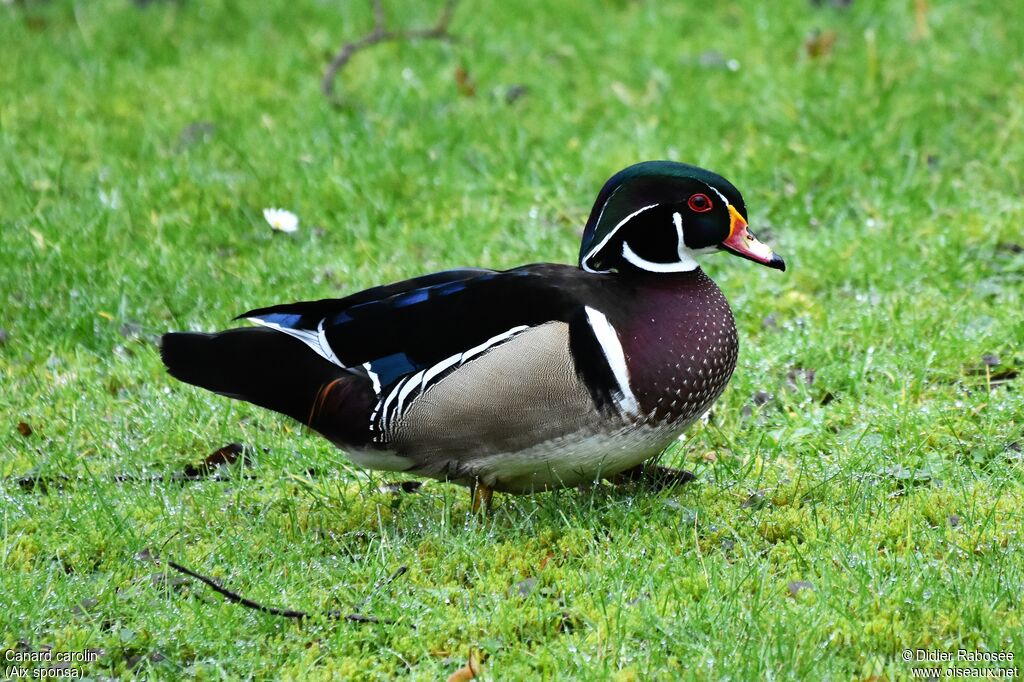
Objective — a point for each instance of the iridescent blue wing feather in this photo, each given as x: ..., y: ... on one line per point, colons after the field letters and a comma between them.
x: 425, y: 324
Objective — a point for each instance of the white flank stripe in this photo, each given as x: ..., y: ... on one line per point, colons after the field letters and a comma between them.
x: 476, y: 350
x: 616, y: 358
x: 411, y: 384
x: 422, y: 379
x: 611, y: 234
x: 438, y: 368
x: 387, y: 401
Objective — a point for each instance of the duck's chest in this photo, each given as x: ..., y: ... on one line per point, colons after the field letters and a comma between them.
x: 680, y: 346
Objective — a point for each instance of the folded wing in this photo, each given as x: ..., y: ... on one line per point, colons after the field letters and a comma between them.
x: 407, y: 336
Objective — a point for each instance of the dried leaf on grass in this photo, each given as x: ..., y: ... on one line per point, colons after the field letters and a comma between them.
x: 820, y: 43
x: 471, y: 670
x: 464, y: 82
x: 224, y: 456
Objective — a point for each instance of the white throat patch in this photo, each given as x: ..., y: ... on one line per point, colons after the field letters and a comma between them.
x: 686, y: 262
x: 687, y: 257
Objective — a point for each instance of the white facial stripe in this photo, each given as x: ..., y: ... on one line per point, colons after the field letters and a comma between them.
x: 607, y: 201
x: 616, y: 359
x: 720, y: 196
x: 686, y: 262
x: 611, y: 234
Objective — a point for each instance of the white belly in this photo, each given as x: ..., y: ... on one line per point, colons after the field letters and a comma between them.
x: 378, y: 460
x: 573, y: 460
x: 566, y: 461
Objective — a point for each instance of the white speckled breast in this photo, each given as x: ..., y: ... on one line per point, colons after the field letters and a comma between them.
x: 681, y: 347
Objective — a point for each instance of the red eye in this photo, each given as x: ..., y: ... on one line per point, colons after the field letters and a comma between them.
x: 699, y: 203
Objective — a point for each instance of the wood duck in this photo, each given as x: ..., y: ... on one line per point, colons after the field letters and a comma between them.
x: 520, y: 380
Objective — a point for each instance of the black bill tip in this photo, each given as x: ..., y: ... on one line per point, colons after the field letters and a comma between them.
x: 776, y: 262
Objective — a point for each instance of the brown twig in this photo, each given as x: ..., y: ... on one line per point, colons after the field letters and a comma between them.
x: 209, y: 469
x: 35, y: 481
x: 381, y: 34
x: 236, y: 598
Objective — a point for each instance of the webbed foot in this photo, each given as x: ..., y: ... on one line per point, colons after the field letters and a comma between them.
x: 655, y: 476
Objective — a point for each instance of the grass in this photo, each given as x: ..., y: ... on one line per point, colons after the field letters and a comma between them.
x: 139, y: 146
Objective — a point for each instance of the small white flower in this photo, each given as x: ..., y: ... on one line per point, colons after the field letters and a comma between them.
x: 111, y: 199
x: 281, y: 220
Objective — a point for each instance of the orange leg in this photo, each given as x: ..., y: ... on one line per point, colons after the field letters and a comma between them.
x: 482, y: 495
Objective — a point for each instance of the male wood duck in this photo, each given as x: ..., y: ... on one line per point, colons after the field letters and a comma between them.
x: 524, y: 380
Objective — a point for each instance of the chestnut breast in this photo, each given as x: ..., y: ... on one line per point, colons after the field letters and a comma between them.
x: 680, y: 345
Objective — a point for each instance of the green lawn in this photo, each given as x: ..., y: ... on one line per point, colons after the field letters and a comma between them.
x: 864, y: 446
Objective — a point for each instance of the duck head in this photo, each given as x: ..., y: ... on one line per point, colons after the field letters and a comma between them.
x: 658, y: 216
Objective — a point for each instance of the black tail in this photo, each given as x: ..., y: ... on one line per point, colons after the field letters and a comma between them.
x: 276, y: 371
